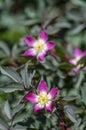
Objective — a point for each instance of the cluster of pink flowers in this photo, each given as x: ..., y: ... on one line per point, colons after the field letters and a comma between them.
x: 39, y: 48
x: 41, y: 99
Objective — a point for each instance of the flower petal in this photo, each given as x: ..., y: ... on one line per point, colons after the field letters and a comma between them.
x: 41, y: 56
x: 29, y: 40
x: 50, y: 45
x: 42, y: 87
x: 30, y: 52
x: 84, y: 53
x: 38, y: 107
x: 43, y: 35
x: 49, y: 106
x: 31, y: 97
x: 53, y: 92
x: 84, y: 68
x: 77, y: 52
x: 72, y: 61
x: 76, y: 70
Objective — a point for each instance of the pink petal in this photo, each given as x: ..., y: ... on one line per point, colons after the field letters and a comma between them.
x: 84, y: 68
x: 41, y: 56
x: 76, y: 70
x: 49, y: 106
x: 50, y: 45
x: 42, y: 87
x: 77, y: 52
x: 30, y: 52
x: 84, y: 53
x: 43, y: 35
x: 53, y: 92
x: 29, y: 40
x: 38, y: 107
x: 31, y: 97
x: 72, y: 61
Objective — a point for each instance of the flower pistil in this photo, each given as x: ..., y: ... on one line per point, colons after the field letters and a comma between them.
x: 39, y: 45
x: 43, y: 98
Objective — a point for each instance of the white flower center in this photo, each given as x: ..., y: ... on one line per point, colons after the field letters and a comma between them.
x: 80, y: 65
x: 43, y: 98
x: 76, y: 61
x: 39, y: 45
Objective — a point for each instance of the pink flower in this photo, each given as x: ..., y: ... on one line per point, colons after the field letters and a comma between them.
x: 38, y: 47
x: 42, y: 99
x: 78, y: 54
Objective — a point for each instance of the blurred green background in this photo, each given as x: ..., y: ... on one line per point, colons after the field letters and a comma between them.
x: 65, y: 19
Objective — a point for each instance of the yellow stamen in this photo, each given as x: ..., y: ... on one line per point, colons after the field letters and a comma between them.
x: 43, y: 98
x: 39, y: 45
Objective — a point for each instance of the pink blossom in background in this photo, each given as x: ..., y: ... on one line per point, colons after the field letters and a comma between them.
x: 42, y: 99
x: 38, y: 47
x: 77, y: 55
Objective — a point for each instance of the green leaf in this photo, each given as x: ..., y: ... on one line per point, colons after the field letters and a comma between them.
x: 80, y: 78
x: 74, y: 16
x: 70, y: 112
x: 18, y: 108
x: 5, y: 48
x: 78, y: 2
x: 15, y: 51
x: 31, y: 74
x: 65, y: 66
x: 25, y: 75
x: 7, y: 110
x: 53, y: 30
x: 70, y: 98
x: 4, y: 61
x: 63, y: 24
x: 30, y: 22
x: 76, y: 30
x: 61, y: 52
x: 19, y: 127
x: 50, y: 63
x: 83, y: 93
x: 11, y: 87
x: 3, y: 125
x: 11, y: 73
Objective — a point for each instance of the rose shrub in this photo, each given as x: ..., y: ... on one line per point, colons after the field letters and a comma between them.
x: 42, y: 65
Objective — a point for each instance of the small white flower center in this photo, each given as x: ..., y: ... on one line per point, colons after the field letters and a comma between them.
x: 39, y: 45
x: 43, y: 98
x: 76, y: 61
x: 80, y: 65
